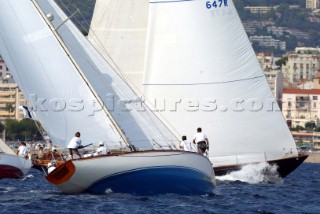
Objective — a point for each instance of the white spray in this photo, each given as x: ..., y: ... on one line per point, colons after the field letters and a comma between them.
x: 254, y: 174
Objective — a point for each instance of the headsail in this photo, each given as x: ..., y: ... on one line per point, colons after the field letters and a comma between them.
x: 5, y: 148
x: 200, y: 58
x: 60, y: 98
x: 118, y: 31
x: 139, y: 124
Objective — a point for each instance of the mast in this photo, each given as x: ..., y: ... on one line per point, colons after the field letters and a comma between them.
x: 55, y: 33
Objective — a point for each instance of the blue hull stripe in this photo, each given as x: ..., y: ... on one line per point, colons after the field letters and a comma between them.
x: 156, y: 180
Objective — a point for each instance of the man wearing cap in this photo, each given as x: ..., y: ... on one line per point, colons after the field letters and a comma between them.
x: 101, y: 150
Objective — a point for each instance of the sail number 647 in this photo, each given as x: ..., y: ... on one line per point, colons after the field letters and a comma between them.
x: 216, y: 3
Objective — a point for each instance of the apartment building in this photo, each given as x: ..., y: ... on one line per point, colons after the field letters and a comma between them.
x: 302, y: 64
x: 272, y: 73
x: 10, y: 99
x: 4, y: 71
x: 300, y: 106
x: 268, y: 41
x: 10, y: 95
x: 261, y: 9
x: 312, y: 4
x: 266, y: 60
x: 275, y: 81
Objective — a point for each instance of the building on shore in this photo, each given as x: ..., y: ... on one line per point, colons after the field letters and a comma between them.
x: 4, y: 70
x: 273, y: 74
x: 275, y: 81
x: 260, y: 9
x: 302, y: 64
x: 268, y: 41
x: 301, y: 106
x: 313, y: 4
x: 10, y: 95
x: 10, y: 99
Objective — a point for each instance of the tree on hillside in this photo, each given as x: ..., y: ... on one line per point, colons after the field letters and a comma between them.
x: 11, y: 127
x: 282, y: 61
x: 22, y: 130
x: 1, y: 127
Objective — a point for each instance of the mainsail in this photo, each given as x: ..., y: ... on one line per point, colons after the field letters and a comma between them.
x: 62, y: 99
x: 200, y: 59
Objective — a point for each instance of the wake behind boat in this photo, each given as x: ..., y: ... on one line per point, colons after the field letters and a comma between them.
x: 69, y: 92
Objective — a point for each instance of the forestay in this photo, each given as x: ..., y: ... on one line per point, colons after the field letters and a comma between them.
x: 200, y: 60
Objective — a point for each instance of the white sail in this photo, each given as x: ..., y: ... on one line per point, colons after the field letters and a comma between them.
x: 58, y: 94
x: 5, y: 148
x: 135, y: 172
x: 199, y: 59
x: 118, y: 31
x: 139, y: 123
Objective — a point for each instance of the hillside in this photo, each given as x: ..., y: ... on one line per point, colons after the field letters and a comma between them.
x: 297, y: 25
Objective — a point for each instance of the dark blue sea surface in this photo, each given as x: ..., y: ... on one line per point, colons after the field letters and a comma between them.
x: 298, y: 193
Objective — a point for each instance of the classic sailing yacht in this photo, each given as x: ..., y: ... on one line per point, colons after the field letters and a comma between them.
x: 67, y: 98
x: 12, y: 165
x: 200, y: 65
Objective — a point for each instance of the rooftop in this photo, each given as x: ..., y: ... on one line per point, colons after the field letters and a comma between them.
x: 301, y: 91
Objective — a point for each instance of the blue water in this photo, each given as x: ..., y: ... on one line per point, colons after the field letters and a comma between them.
x: 298, y: 193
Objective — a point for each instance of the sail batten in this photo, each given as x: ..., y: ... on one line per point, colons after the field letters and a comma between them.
x: 205, y: 83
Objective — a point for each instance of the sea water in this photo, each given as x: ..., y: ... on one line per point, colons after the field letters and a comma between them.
x: 254, y: 189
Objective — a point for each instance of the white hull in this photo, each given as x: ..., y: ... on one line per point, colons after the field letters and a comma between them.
x: 149, y: 172
x: 13, y: 166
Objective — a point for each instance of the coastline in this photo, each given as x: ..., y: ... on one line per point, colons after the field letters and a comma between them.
x: 314, y: 157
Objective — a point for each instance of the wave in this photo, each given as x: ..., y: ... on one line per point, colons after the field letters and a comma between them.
x: 254, y: 174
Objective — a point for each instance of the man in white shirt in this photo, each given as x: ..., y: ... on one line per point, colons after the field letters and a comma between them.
x: 74, y: 144
x: 101, y: 150
x: 185, y: 144
x: 23, y: 150
x: 201, y: 140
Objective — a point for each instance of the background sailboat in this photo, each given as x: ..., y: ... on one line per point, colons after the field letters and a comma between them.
x: 68, y: 94
x: 12, y: 165
x: 200, y: 61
